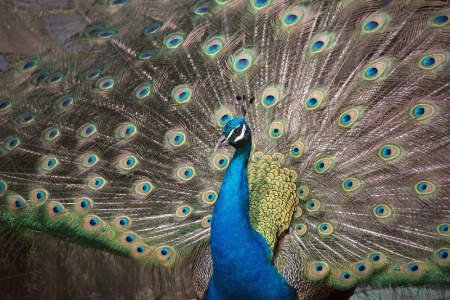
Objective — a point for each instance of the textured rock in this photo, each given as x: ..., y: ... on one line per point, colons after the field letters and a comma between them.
x: 16, y: 38
x: 62, y: 26
x: 3, y: 64
x: 42, y: 5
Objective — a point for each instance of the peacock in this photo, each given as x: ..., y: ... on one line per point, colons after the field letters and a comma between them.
x: 260, y: 149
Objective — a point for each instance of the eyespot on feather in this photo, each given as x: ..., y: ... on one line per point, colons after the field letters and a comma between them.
x: 303, y: 191
x: 349, y: 117
x: 276, y: 130
x: 213, y: 46
x: 201, y: 9
x: 91, y: 74
x: 96, y: 183
x: 377, y: 70
x: 344, y: 279
x: 55, y: 209
x: 362, y: 269
x: 318, y: 270
x: 122, y: 223
x: 390, y: 152
x: 16, y: 203
x: 27, y: 65
x: 293, y: 175
x: 55, y: 78
x: 165, y: 255
x: 315, y: 100
x: 105, y: 83
x: 146, y: 54
x: 185, y: 173
x: 293, y: 16
x: 444, y: 229
x: 279, y: 157
x: 323, y: 165
x: 89, y: 160
x: 221, y: 161
x: 260, y: 4
x: 87, y: 130
x: 209, y: 197
x: 92, y: 223
x: 375, y: 23
x: 39, y: 77
x: 11, y: 143
x: 5, y: 104
x: 117, y: 3
x: 425, y: 188
x: 176, y: 138
x: 298, y: 212
x: 142, y: 91
x: 257, y: 156
x: 92, y: 31
x: 49, y: 163
x: 382, y: 211
x: 83, y: 204
x: 126, y: 131
x: 183, y: 211
x: 321, y: 43
x: 300, y: 229
x: 297, y: 149
x: 140, y: 251
x: 174, y: 40
x: 223, y: 116
x: 270, y: 97
x: 181, y: 94
x: 313, y: 206
x: 127, y: 239
x: 416, y: 269
x: 106, y: 33
x: 64, y: 103
x: 3, y: 187
x: 152, y: 29
x: 432, y: 61
x: 442, y: 257
x: 441, y: 19
x: 38, y: 196
x: 325, y: 229
x: 242, y: 60
x: 422, y: 112
x: 25, y: 119
x: 206, y: 221
x: 51, y: 134
x: 377, y: 259
x: 351, y: 184
x: 143, y: 187
x: 127, y: 162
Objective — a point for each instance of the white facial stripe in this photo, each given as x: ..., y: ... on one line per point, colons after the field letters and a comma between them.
x: 228, y: 137
x: 242, y: 134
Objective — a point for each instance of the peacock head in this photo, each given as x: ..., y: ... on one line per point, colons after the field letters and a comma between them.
x: 236, y: 133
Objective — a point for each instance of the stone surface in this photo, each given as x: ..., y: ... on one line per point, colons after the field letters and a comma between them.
x: 61, y: 27
x: 3, y: 64
x: 42, y: 5
x: 15, y: 37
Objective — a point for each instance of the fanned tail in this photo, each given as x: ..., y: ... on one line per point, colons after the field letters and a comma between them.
x: 109, y: 141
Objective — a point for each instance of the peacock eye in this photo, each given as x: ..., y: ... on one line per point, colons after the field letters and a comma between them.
x: 238, y: 131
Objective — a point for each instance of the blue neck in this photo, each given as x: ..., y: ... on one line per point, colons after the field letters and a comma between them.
x: 241, y: 256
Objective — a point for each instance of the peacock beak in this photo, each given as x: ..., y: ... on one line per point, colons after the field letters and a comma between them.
x: 223, y: 140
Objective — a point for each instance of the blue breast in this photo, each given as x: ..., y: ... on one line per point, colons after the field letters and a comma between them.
x: 241, y: 257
